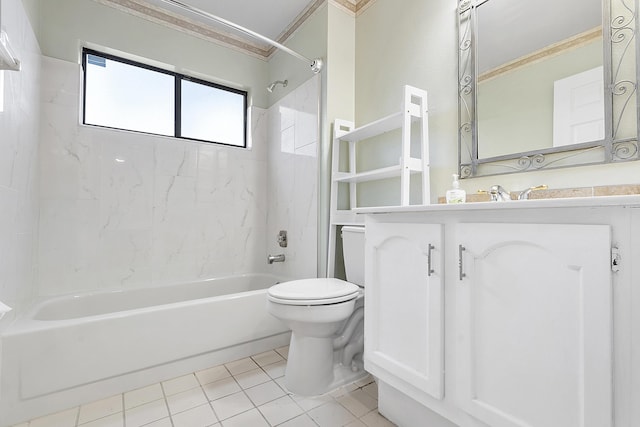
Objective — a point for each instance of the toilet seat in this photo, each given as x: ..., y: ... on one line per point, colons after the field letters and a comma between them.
x: 321, y: 291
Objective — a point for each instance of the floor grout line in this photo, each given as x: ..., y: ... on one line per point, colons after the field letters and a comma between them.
x: 124, y: 423
x: 166, y: 404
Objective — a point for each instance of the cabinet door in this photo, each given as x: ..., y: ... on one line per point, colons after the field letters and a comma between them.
x: 403, y: 300
x: 534, y: 324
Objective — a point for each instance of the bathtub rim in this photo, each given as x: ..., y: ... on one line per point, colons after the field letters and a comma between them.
x: 24, y: 321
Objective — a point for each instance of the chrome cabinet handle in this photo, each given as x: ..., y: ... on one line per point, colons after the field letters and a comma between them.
x: 460, y: 267
x: 430, y: 270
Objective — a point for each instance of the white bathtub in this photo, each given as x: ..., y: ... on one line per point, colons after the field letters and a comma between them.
x: 72, y: 349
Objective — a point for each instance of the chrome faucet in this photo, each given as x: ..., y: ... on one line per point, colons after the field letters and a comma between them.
x: 499, y: 194
x: 524, y: 194
x: 275, y: 258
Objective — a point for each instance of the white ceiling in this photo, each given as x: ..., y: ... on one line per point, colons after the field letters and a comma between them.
x: 267, y: 17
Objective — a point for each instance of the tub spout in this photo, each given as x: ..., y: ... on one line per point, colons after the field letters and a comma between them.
x: 275, y: 258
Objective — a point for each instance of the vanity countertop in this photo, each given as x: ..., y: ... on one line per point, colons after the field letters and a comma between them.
x: 587, y: 202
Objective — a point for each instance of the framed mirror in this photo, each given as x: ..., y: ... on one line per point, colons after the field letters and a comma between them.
x: 546, y: 84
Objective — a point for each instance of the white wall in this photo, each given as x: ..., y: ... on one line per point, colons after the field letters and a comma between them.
x: 339, y: 97
x: 19, y: 119
x: 414, y: 43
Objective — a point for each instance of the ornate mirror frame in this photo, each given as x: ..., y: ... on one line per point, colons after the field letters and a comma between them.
x: 622, y: 108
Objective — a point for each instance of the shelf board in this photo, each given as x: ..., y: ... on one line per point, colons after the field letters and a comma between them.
x: 355, y: 216
x: 385, y: 124
x: 346, y: 217
x: 375, y: 174
x: 386, y: 209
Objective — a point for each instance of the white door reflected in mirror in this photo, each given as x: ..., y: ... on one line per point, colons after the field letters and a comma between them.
x: 578, y: 108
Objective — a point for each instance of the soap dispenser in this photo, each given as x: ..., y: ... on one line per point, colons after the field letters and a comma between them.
x: 456, y: 194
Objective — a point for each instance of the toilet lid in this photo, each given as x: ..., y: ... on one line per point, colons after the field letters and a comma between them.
x: 313, y: 291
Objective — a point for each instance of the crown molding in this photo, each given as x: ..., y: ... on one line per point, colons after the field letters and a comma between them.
x: 150, y: 12
x: 297, y: 23
x: 354, y: 7
x: 158, y: 15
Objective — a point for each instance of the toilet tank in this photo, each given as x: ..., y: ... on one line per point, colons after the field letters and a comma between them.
x: 353, y: 253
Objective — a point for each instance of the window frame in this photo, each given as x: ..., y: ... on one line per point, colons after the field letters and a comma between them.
x: 178, y: 78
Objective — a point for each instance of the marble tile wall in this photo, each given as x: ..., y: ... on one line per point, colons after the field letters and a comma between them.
x: 293, y: 176
x: 122, y: 209
x: 19, y: 120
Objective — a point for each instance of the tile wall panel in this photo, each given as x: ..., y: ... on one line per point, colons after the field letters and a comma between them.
x: 293, y: 177
x: 19, y: 124
x: 122, y: 209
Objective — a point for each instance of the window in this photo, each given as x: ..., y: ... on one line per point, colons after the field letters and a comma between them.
x: 123, y: 94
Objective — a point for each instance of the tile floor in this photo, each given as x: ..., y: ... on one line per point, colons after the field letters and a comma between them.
x: 245, y: 393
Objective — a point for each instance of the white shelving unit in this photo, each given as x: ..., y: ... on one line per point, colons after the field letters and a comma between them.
x: 414, y: 112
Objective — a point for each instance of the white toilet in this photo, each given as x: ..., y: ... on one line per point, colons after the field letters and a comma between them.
x: 326, y: 320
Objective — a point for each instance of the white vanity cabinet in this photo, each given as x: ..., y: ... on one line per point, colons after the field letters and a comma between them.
x: 404, y: 303
x: 523, y: 321
x: 533, y: 324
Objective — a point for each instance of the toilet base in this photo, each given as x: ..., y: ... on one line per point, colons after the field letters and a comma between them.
x: 312, y: 369
x: 309, y: 365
